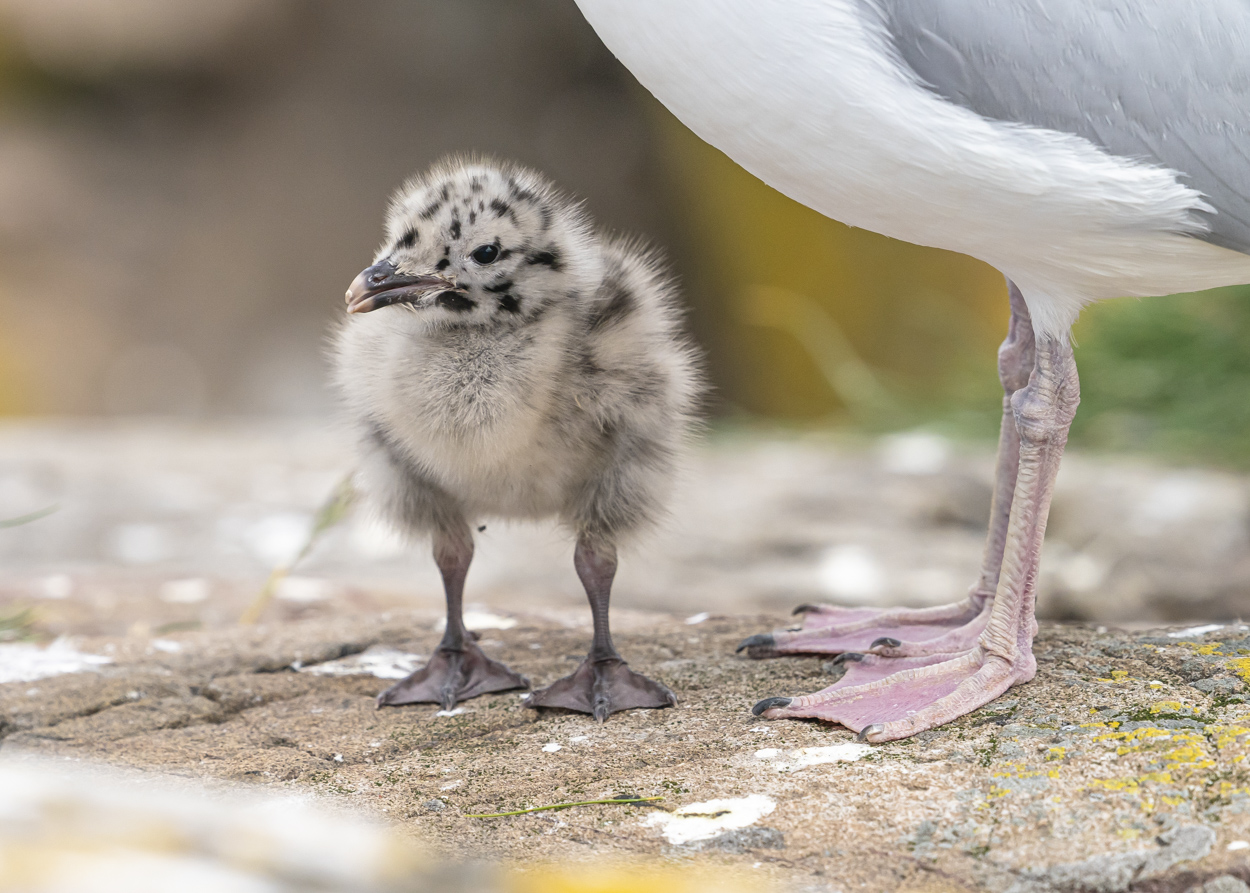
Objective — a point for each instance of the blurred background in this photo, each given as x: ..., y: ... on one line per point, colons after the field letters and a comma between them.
x: 187, y: 188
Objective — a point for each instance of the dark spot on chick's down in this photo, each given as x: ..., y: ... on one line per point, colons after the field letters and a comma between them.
x: 455, y: 301
x: 548, y: 258
x: 500, y: 287
x: 408, y: 239
x: 442, y: 264
x: 620, y: 304
x: 509, y: 303
x: 455, y: 228
x: 503, y: 209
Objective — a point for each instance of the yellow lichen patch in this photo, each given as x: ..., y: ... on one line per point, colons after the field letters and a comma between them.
x: 1169, y: 707
x: 1132, y: 783
x: 1117, y: 676
x: 1240, y: 666
x: 1020, y: 770
x: 1200, y: 648
x: 1114, y: 784
x: 1132, y: 738
x: 1227, y: 735
x: 1056, y: 753
x: 1191, y: 753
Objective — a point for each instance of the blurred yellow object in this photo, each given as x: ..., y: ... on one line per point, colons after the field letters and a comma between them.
x: 632, y: 879
x: 805, y: 316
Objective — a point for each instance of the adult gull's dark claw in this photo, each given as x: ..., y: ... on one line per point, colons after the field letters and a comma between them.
x: 759, y: 640
x: 769, y: 704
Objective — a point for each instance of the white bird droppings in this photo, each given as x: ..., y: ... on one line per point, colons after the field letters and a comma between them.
x: 700, y: 821
x: 1195, y: 631
x: 478, y: 620
x: 916, y: 452
x: 456, y: 712
x: 23, y: 662
x: 551, y: 747
x: 185, y: 592
x: 303, y: 589
x: 695, y: 619
x: 578, y: 739
x: 168, y: 646
x: 851, y: 572
x: 1239, y: 845
x: 56, y: 586
x: 794, y: 760
x: 376, y: 660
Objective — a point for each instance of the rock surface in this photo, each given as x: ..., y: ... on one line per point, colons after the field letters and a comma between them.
x: 1121, y: 767
x: 1109, y: 772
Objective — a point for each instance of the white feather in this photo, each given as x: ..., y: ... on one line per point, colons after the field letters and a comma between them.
x: 809, y: 96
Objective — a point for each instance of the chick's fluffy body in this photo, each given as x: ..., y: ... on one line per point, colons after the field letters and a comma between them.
x: 559, y: 386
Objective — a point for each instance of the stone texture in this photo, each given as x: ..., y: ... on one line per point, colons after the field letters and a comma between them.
x: 1106, y: 773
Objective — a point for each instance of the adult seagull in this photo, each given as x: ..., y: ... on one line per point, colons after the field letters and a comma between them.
x: 1088, y: 149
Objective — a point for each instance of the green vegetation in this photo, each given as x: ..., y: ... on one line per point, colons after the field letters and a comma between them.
x: 1169, y: 376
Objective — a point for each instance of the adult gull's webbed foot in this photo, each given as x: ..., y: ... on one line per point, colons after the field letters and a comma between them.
x: 458, y: 669
x: 603, y: 683
x: 884, y: 698
x: 944, y: 629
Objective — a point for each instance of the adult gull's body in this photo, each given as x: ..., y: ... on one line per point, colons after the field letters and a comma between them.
x: 1088, y: 149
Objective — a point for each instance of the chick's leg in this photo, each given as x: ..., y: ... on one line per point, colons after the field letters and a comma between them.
x: 603, y: 683
x: 458, y: 669
x: 918, y: 632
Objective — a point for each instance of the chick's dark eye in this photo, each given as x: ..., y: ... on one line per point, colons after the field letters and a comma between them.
x: 485, y: 254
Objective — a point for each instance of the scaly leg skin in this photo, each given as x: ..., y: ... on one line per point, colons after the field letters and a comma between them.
x: 914, y: 632
x: 603, y: 683
x: 929, y: 691
x: 458, y: 669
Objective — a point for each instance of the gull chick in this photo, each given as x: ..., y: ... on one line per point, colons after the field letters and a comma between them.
x: 502, y: 360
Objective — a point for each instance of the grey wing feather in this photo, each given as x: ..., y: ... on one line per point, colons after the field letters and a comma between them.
x: 1163, y: 81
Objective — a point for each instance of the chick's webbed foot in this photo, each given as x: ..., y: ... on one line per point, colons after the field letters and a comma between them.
x: 452, y: 675
x: 601, y: 688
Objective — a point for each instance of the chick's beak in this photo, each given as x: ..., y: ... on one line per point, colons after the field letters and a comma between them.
x: 382, y: 284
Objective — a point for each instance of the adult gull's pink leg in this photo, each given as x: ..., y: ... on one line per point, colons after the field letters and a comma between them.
x: 904, y: 632
x: 930, y: 690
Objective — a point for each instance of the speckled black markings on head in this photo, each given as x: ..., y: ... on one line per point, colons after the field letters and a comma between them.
x: 520, y: 194
x: 408, y: 239
x: 442, y: 264
x: 500, y: 287
x: 503, y: 209
x: 455, y: 228
x: 510, y: 304
x: 455, y: 301
x: 548, y: 257
x: 432, y: 208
